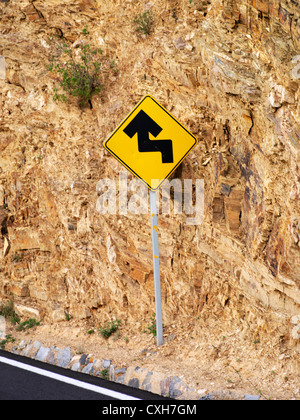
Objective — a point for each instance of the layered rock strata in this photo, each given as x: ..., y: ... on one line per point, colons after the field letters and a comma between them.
x: 229, y: 71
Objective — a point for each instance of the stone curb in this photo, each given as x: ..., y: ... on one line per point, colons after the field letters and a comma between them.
x: 136, y: 377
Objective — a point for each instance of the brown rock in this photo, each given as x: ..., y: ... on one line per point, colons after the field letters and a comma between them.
x: 224, y: 70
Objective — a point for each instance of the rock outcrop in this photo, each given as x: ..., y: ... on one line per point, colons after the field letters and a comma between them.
x: 228, y: 70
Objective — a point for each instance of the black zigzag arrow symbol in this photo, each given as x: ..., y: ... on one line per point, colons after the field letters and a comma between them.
x: 142, y: 125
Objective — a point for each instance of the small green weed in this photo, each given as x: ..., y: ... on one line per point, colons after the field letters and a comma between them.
x: 151, y: 328
x: 109, y: 328
x: 143, y: 22
x: 29, y: 323
x: 68, y: 316
x: 8, y: 339
x: 105, y: 373
x: 85, y: 30
x: 7, y: 310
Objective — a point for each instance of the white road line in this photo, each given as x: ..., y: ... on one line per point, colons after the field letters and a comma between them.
x: 68, y: 380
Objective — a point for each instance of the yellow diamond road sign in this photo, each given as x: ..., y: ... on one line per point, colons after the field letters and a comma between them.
x: 150, y: 142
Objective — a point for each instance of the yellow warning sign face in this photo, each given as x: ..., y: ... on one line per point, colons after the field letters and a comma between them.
x: 150, y: 142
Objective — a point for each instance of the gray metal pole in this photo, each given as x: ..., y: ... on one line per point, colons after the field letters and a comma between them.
x: 156, y: 270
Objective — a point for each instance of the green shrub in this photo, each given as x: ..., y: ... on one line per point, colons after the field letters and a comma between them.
x: 81, y: 71
x: 151, y: 328
x: 109, y: 328
x: 105, y: 373
x: 8, y: 339
x: 29, y: 323
x: 143, y: 22
x: 7, y: 310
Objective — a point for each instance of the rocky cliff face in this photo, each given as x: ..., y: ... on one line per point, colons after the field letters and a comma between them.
x: 228, y: 70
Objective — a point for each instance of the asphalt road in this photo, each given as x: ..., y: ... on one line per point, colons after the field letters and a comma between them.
x: 22, y: 378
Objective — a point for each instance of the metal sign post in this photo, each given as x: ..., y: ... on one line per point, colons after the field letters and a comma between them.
x: 152, y: 161
x: 156, y: 269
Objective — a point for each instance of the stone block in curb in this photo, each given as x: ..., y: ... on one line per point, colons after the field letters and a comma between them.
x: 51, y: 357
x: 42, y: 353
x: 120, y: 379
x: 120, y: 375
x: 207, y: 397
x: 37, y: 345
x: 134, y: 383
x: 249, y: 397
x: 97, y: 367
x: 111, y: 374
x: 146, y: 385
x: 29, y: 350
x: 106, y: 363
x: 170, y: 387
x: 83, y: 359
x: 76, y: 366
x: 88, y: 368
x: 64, y: 357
